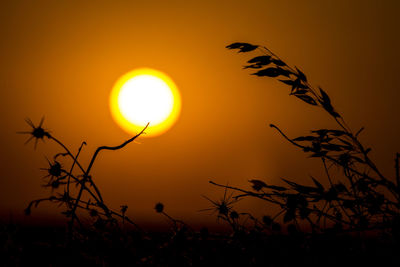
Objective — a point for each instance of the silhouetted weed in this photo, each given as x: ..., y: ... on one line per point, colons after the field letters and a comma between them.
x: 58, y: 177
x: 318, y: 224
x: 357, y: 199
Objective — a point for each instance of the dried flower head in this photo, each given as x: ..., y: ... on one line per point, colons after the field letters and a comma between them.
x: 124, y: 208
x: 159, y: 207
x: 234, y: 215
x: 55, y: 184
x: 37, y: 132
x: 54, y: 170
x: 257, y: 184
x: 223, y: 206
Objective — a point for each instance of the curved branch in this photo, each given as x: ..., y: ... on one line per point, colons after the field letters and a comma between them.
x: 86, y: 175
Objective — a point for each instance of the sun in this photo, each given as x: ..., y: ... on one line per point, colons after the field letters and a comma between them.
x: 145, y: 96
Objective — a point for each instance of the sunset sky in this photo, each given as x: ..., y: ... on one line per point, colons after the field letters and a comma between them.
x: 60, y: 59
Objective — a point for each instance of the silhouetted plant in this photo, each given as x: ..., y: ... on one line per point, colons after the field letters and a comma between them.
x: 178, y: 226
x: 61, y: 181
x: 358, y: 198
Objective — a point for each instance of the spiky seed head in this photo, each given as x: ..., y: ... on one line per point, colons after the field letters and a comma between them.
x: 223, y: 209
x: 55, y: 169
x: 39, y: 132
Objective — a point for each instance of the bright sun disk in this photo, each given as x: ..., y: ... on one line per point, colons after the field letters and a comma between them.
x: 145, y: 96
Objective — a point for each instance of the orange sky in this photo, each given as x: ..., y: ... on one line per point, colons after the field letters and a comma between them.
x: 60, y: 59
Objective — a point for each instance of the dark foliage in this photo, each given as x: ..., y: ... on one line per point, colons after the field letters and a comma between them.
x: 76, y: 191
x: 349, y: 217
x: 357, y: 198
x: 45, y: 246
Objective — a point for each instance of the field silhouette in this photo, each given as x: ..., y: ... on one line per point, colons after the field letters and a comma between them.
x: 349, y: 217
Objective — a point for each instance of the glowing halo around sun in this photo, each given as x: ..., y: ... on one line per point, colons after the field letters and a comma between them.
x: 145, y: 96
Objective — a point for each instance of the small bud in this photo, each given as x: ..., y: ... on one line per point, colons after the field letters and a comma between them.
x: 159, y: 207
x: 234, y: 215
x: 93, y: 213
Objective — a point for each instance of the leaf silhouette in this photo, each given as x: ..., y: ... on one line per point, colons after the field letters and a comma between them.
x: 358, y: 159
x: 278, y: 62
x: 288, y: 82
x: 248, y: 47
x: 253, y: 66
x: 347, y: 145
x: 318, y: 184
x: 304, y: 138
x: 234, y: 45
x: 270, y: 72
x: 257, y: 184
x: 337, y: 132
x: 261, y: 60
x: 301, y: 75
x: 332, y: 147
x: 275, y: 187
x: 284, y: 72
x: 319, y: 154
x: 307, y: 99
x: 299, y: 92
x: 300, y: 188
x: 243, y: 47
x: 326, y: 104
x: 325, y: 96
x: 298, y: 84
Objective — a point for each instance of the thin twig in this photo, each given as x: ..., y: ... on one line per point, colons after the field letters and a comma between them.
x: 73, y: 164
x: 86, y: 174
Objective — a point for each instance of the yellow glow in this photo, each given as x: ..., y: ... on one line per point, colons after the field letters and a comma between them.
x: 142, y: 96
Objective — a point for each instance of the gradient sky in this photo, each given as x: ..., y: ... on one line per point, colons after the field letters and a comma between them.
x: 60, y: 59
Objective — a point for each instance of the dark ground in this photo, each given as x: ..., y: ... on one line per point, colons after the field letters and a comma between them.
x: 47, y: 246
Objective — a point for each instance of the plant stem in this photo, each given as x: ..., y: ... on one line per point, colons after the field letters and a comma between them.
x: 73, y: 164
x: 87, y: 177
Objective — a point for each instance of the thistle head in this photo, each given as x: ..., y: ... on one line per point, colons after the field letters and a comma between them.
x: 222, y: 206
x: 55, y: 169
x: 37, y: 132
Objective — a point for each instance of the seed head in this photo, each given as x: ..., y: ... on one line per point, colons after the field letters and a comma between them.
x: 55, y: 169
x: 257, y: 184
x: 55, y: 184
x: 222, y: 206
x: 234, y: 215
x: 159, y: 207
x: 124, y: 208
x: 93, y: 213
x: 37, y: 132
